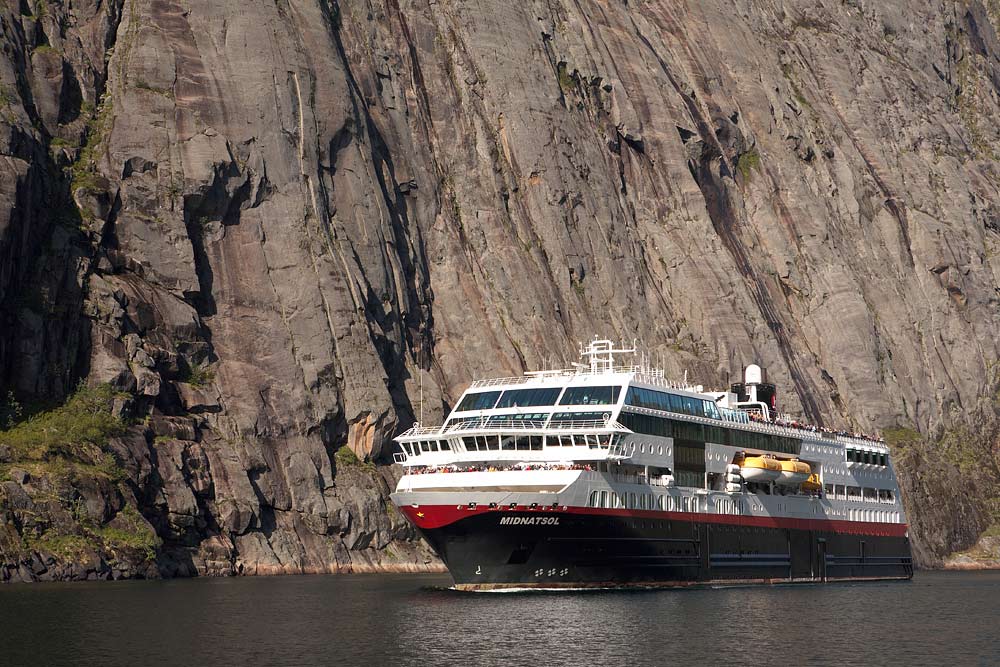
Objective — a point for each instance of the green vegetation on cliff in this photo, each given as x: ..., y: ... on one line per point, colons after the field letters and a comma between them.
x: 747, y: 163
x: 84, y: 172
x: 63, y: 459
x: 900, y: 438
x: 345, y: 457
x: 129, y: 531
x: 79, y: 427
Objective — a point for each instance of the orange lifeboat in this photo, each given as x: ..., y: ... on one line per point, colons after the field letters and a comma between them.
x: 793, y: 473
x: 760, y: 469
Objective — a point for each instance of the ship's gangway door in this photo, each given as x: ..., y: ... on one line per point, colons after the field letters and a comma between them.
x: 800, y: 547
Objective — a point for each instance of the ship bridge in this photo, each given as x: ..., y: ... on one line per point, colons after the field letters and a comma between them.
x: 551, y: 415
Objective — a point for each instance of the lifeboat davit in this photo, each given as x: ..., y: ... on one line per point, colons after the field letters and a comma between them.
x: 793, y: 473
x: 812, y: 483
x: 760, y: 469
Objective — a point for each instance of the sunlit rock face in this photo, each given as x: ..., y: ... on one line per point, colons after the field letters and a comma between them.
x: 290, y: 227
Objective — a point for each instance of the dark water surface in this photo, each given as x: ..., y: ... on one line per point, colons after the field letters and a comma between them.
x: 940, y: 618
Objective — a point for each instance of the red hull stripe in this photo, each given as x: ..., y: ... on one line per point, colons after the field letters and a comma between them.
x: 436, y: 516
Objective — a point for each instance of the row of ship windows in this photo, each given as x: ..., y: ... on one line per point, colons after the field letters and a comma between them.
x: 642, y: 501
x: 674, y: 428
x: 484, y: 443
x: 648, y: 501
x: 416, y: 448
x: 513, y: 398
x: 603, y: 395
x: 860, y: 494
x: 532, y: 419
x: 682, y: 405
x: 864, y: 456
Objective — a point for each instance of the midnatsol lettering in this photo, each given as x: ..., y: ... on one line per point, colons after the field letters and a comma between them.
x: 529, y: 521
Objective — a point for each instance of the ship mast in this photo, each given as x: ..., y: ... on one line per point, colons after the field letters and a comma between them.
x: 600, y: 355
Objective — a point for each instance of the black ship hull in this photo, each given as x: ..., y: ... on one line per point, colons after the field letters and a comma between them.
x: 578, y: 547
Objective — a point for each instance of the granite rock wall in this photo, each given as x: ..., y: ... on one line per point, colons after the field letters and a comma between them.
x: 288, y: 228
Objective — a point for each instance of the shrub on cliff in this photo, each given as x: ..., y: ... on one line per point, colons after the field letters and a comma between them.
x: 345, y: 458
x: 82, y: 425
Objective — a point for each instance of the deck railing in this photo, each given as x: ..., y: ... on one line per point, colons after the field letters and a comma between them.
x: 500, y: 424
x: 642, y: 374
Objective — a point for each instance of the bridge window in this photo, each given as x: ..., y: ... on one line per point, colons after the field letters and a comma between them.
x: 483, y: 400
x: 590, y: 396
x: 456, y: 421
x: 577, y: 416
x: 524, y: 420
x: 529, y: 397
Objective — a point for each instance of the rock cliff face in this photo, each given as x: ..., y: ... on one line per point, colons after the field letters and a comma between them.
x: 276, y: 225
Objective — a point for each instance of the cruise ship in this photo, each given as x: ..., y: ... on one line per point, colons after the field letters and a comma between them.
x: 608, y: 474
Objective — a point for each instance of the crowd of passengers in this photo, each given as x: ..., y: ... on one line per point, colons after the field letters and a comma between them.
x: 791, y: 423
x: 426, y: 470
